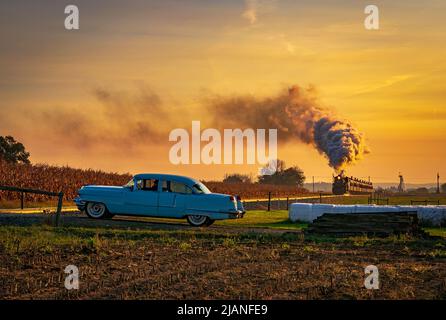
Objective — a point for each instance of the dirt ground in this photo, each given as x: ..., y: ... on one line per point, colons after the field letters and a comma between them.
x: 180, y: 263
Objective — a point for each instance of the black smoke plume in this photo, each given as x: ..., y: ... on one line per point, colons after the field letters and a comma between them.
x: 297, y: 114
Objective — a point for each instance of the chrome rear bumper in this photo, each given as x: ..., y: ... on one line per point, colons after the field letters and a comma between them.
x: 237, y: 214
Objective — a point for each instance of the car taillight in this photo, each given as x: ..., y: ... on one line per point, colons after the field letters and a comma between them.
x: 239, y: 198
x: 231, y: 198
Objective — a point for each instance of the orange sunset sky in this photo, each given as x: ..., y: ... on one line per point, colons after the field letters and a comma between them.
x: 99, y: 97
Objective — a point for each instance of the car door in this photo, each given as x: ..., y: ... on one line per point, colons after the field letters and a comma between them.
x: 143, y: 200
x: 173, y: 197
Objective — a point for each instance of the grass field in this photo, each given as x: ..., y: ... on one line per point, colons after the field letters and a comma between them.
x: 208, y: 264
x: 393, y: 199
x: 274, y: 219
x: 166, y: 259
x: 356, y: 199
x: 278, y: 219
x: 259, y: 218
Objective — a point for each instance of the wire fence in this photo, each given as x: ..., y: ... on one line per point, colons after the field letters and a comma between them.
x: 23, y: 191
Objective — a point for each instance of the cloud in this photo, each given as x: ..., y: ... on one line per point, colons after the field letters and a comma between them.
x: 123, y: 120
x: 281, y: 40
x: 250, y: 12
x: 384, y: 84
x: 119, y: 120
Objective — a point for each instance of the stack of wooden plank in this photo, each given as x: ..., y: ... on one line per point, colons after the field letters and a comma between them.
x: 380, y: 224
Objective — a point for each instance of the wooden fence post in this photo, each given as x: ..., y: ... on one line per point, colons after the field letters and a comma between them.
x: 269, y: 201
x: 287, y: 199
x: 59, y: 208
x: 320, y: 197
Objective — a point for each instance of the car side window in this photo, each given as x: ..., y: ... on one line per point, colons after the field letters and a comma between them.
x: 147, y: 184
x: 176, y: 187
x: 166, y: 186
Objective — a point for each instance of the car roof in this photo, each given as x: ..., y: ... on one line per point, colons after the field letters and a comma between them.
x: 162, y: 176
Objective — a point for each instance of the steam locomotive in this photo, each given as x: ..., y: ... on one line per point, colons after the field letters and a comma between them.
x: 349, y: 185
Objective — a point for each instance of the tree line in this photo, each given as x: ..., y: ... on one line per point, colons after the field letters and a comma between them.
x: 279, y: 175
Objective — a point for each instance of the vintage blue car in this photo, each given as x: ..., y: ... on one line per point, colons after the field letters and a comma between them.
x: 160, y: 195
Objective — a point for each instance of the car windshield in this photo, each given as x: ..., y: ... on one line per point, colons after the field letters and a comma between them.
x: 200, y: 188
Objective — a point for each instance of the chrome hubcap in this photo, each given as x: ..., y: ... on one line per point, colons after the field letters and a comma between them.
x: 197, y: 219
x: 96, y: 209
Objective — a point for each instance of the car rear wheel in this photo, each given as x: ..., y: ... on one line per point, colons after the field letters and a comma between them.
x: 199, y: 221
x: 97, y: 210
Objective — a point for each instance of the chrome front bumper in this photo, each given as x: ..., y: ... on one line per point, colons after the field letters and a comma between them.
x: 80, y: 203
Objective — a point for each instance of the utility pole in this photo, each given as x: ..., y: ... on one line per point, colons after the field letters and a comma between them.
x: 438, y: 182
x: 313, y: 184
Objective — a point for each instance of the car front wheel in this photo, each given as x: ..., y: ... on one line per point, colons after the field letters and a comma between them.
x: 199, y: 221
x: 97, y: 210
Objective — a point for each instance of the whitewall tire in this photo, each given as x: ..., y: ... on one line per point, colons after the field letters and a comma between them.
x: 96, y: 210
x: 199, y: 221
